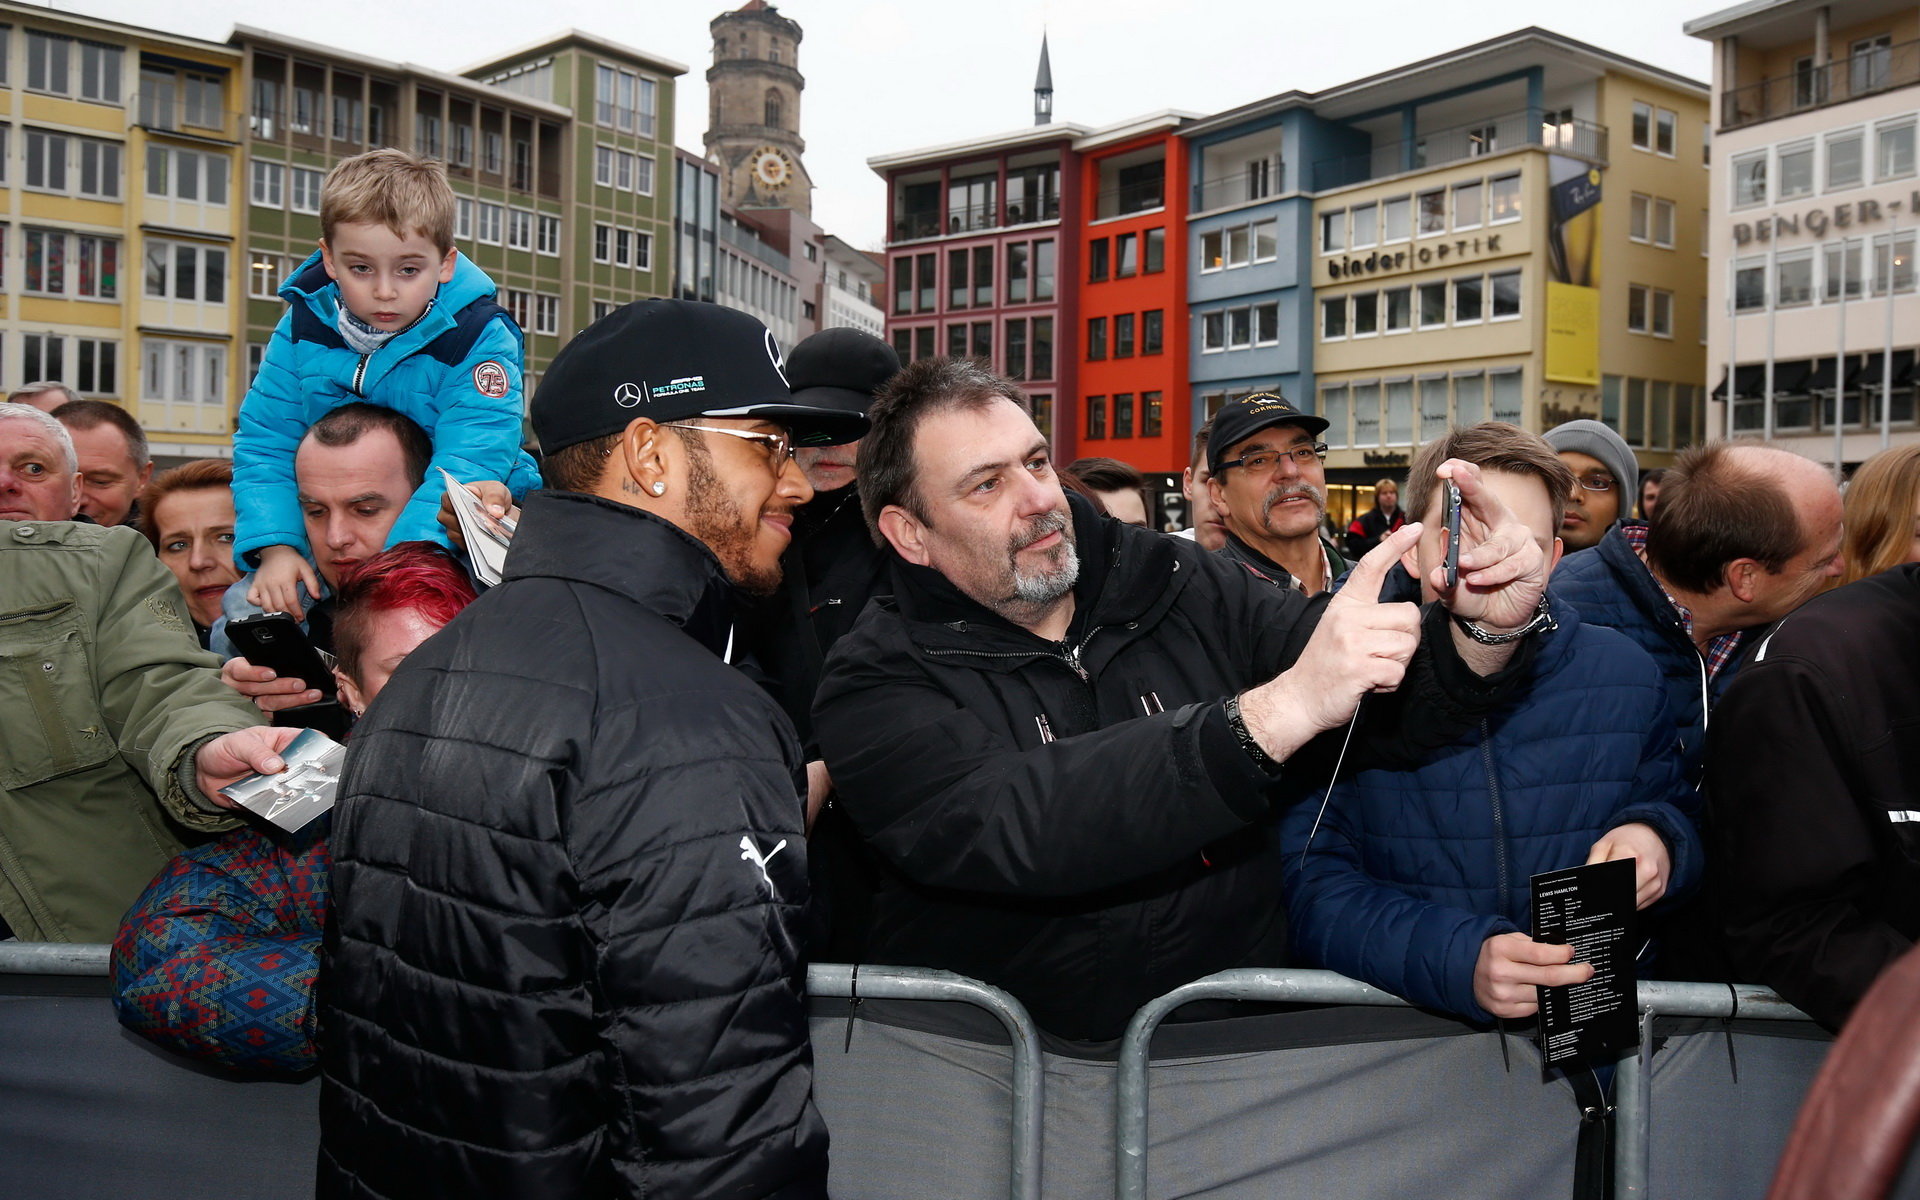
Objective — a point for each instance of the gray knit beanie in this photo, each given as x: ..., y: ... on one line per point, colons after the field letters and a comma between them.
x: 1594, y: 439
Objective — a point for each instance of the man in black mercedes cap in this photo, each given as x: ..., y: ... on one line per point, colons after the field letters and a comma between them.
x: 570, y: 876
x: 1270, y: 485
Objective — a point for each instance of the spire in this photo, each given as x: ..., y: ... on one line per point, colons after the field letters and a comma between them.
x: 1043, y: 87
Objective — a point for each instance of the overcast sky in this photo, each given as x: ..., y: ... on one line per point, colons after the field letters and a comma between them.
x: 897, y: 75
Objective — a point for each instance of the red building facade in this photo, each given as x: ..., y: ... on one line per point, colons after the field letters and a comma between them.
x: 982, y: 258
x: 1132, y: 334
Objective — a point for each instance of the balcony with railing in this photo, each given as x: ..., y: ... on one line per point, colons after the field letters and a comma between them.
x: 744, y: 241
x: 1246, y: 182
x: 914, y: 225
x: 1479, y: 139
x: 167, y: 110
x: 1866, y: 73
x: 1139, y: 196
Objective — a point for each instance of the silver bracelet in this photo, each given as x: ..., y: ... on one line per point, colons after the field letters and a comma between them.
x: 1542, y: 621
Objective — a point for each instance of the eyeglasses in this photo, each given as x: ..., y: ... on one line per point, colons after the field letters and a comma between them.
x: 1263, y: 461
x: 1596, y: 481
x: 781, y: 444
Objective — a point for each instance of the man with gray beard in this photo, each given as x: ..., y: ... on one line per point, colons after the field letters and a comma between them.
x: 1269, y: 482
x: 1065, y: 737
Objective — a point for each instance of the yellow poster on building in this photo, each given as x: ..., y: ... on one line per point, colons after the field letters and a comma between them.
x: 1573, y: 334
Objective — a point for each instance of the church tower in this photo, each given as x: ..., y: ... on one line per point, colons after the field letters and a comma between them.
x: 753, y: 113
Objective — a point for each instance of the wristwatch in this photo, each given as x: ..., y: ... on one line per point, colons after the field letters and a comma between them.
x: 1542, y: 620
x: 1266, y: 762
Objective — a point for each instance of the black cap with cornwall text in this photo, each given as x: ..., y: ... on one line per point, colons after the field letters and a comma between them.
x: 670, y: 360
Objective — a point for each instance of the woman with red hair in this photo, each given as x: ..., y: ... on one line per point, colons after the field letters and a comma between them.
x: 216, y: 960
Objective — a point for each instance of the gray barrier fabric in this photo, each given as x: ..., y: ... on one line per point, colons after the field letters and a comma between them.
x: 88, y: 1110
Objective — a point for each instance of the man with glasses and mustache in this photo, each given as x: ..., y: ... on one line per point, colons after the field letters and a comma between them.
x: 1269, y: 481
x: 1066, y: 738
x: 570, y: 878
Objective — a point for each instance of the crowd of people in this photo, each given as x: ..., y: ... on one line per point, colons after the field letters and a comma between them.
x: 822, y: 658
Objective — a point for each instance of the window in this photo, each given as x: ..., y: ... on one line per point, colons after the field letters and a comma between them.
x: 1892, y: 261
x: 1642, y: 126
x: 1266, y: 241
x: 1333, y: 319
x: 1750, y: 179
x: 1399, y: 309
x: 1640, y: 217
x: 1663, y: 223
x: 1893, y: 154
x: 462, y: 154
x: 623, y: 247
x: 1266, y: 324
x: 1469, y: 398
x: 1845, y: 159
x: 428, y: 123
x: 1152, y: 325
x: 603, y: 244
x: 1505, y: 386
x: 1366, y: 314
x: 492, y: 151
x: 1017, y: 253
x: 1123, y: 335
x: 1649, y: 310
x: 1098, y: 260
x: 1333, y: 406
x: 462, y: 218
x: 1151, y: 404
x: 1155, y: 258
x: 487, y: 220
x: 99, y: 168
x: 1665, y: 130
x: 72, y: 264
x: 186, y: 271
x: 1042, y: 361
x: 623, y: 100
x: 1871, y: 64
x: 47, y: 58
x: 1796, y: 170
x: 1096, y: 339
x: 303, y: 192
x: 181, y: 174
x: 1396, y: 216
x: 982, y: 276
x: 1466, y: 205
x: 1750, y: 285
x: 1505, y: 286
x: 1333, y: 231
x: 1503, y: 199
x: 47, y: 160
x: 1433, y: 305
x: 603, y: 165
x: 94, y: 362
x: 1239, y: 247
x: 1793, y: 279
x: 1433, y: 405
x: 1123, y: 415
x: 264, y: 273
x: 958, y: 290
x: 519, y: 306
x: 519, y: 229
x: 1469, y: 300
x: 1126, y: 255
x: 185, y: 373
x: 925, y: 266
x: 1433, y: 212
x: 547, y: 235
x: 1366, y: 414
x: 1366, y: 225
x: 1483, y: 140
x: 1844, y: 269
x: 269, y: 179
x: 1213, y: 332
x: 1637, y: 308
x: 1015, y: 340
x: 1043, y: 270
x: 546, y: 314
x: 1399, y: 412
x: 1096, y: 417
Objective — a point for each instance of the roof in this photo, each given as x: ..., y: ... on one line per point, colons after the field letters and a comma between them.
x: 1031, y: 135
x: 249, y: 33
x: 34, y: 12
x: 1043, y: 82
x: 1755, y: 15
x: 1133, y: 127
x: 579, y: 37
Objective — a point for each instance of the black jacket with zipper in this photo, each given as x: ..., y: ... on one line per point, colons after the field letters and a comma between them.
x: 568, y: 890
x: 1074, y: 821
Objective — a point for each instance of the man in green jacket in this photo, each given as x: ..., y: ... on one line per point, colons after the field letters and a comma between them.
x: 116, y: 733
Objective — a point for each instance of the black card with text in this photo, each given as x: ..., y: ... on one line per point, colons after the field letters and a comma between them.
x: 1591, y: 909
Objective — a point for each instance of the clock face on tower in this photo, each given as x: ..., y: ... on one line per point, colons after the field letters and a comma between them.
x: 771, y: 167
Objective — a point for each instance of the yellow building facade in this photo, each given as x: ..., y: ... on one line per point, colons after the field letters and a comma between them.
x: 120, y: 149
x: 1520, y: 241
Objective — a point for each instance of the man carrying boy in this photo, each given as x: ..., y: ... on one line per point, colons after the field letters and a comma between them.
x: 389, y: 313
x: 1416, y: 879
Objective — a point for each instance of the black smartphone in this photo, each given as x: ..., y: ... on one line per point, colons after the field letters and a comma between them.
x: 1453, y: 534
x: 275, y: 640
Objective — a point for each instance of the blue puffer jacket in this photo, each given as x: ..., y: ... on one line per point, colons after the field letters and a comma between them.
x: 1614, y: 589
x: 432, y: 372
x: 1410, y: 871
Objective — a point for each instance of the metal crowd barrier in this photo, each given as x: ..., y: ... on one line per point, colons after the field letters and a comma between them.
x: 1632, y: 1082
x: 918, y: 983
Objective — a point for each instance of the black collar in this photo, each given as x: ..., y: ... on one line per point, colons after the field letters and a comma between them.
x: 633, y: 554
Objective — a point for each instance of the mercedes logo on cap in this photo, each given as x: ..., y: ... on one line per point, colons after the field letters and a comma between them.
x: 779, y: 362
x: 627, y: 395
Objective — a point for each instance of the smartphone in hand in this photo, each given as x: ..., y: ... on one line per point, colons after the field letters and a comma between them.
x: 1453, y: 534
x: 275, y: 640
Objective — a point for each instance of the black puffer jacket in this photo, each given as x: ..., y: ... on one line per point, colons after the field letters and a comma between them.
x: 1074, y: 821
x: 569, y: 889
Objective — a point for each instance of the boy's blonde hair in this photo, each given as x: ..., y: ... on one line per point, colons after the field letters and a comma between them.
x: 405, y: 193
